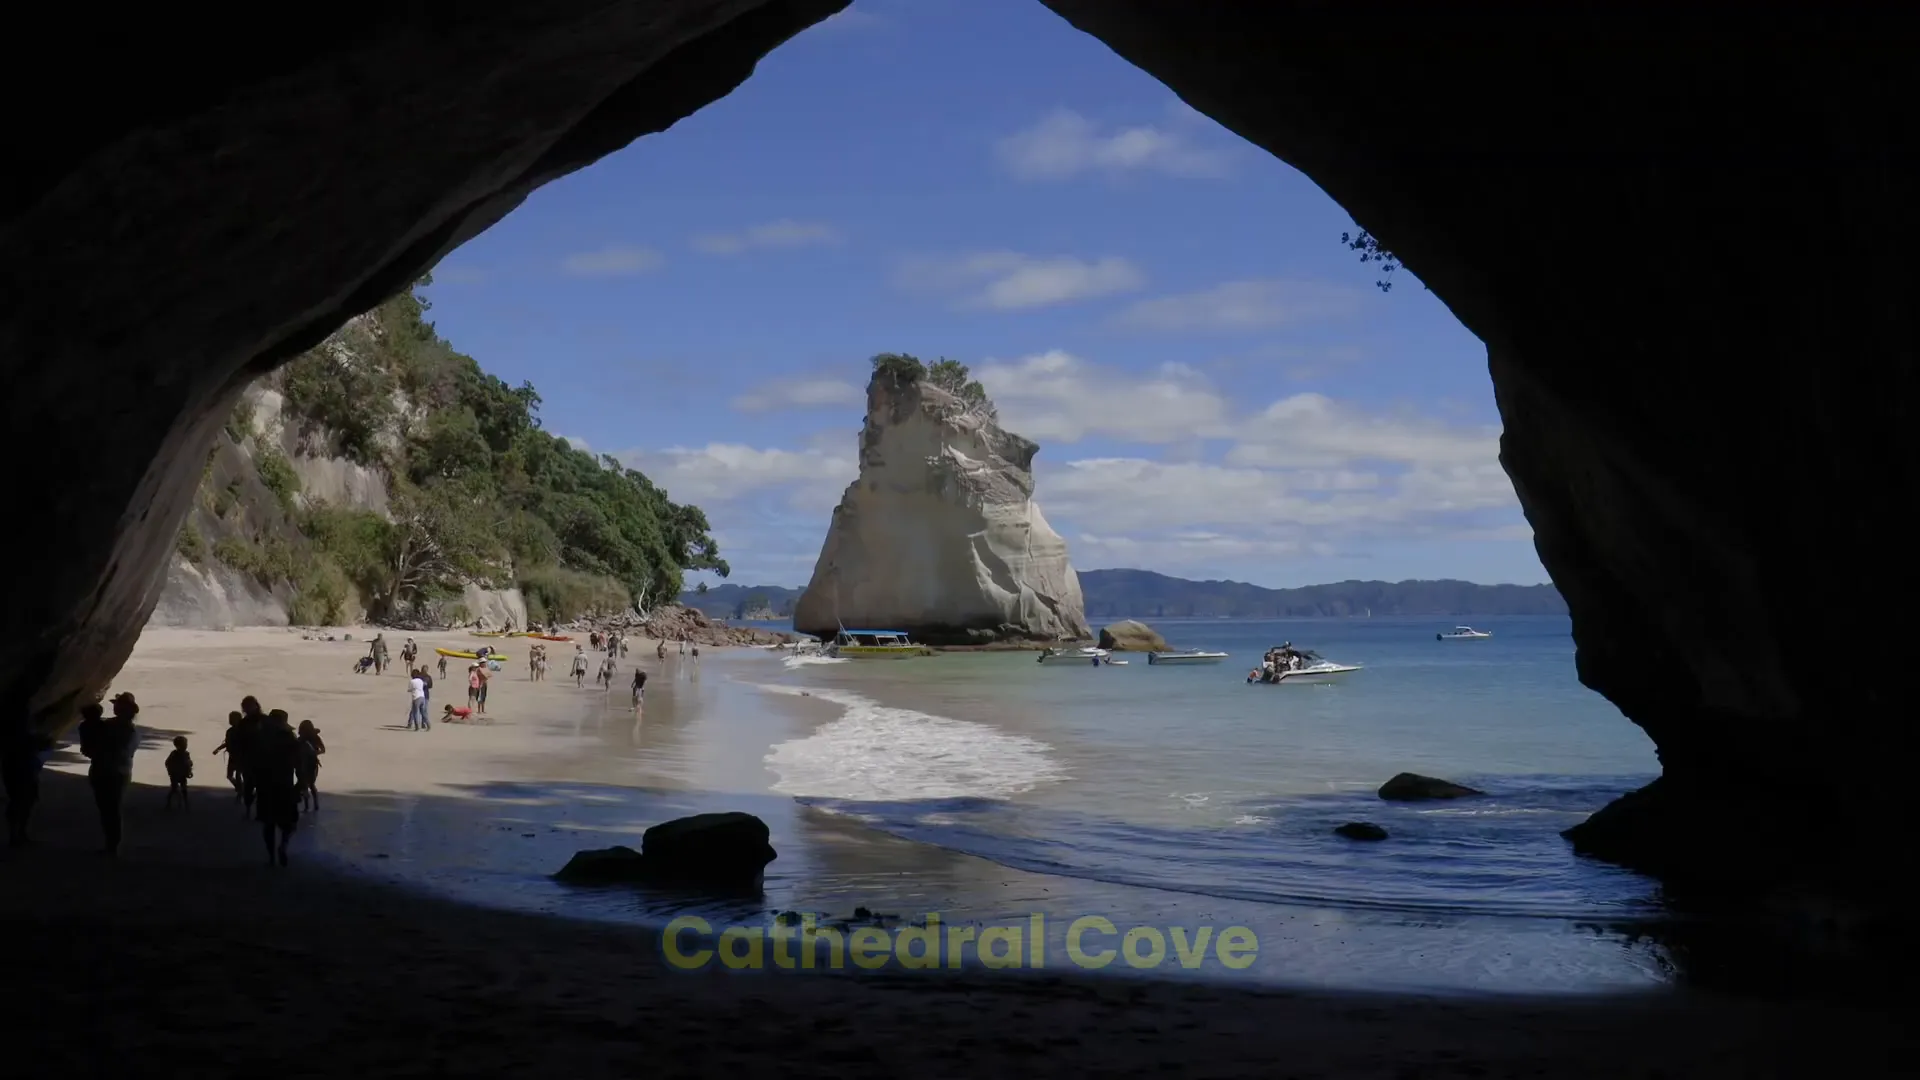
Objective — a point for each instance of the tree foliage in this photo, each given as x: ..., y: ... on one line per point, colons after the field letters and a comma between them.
x: 1371, y: 252
x: 949, y: 375
x: 480, y: 493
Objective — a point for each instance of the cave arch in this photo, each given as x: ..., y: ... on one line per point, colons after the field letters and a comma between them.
x: 1671, y: 231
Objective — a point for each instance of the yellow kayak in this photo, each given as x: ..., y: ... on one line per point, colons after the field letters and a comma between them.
x: 468, y: 655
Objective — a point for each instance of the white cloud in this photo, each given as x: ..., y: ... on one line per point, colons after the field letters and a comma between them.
x: 775, y: 234
x: 801, y: 394
x: 1241, y: 306
x: 1064, y: 144
x: 1057, y: 397
x: 1011, y: 281
x: 612, y: 261
x: 808, y: 480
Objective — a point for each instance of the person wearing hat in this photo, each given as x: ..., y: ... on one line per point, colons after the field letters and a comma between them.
x: 109, y: 744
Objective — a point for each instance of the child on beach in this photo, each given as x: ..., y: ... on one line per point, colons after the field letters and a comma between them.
x: 233, y: 758
x: 179, y: 771
x: 443, y: 667
x: 452, y: 715
x: 306, y: 766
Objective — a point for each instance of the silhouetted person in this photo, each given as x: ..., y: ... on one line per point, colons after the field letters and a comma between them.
x: 22, y: 753
x: 109, y: 744
x: 273, y: 763
x: 179, y: 771
x: 252, y: 719
x: 306, y: 771
x: 228, y: 747
x: 639, y: 688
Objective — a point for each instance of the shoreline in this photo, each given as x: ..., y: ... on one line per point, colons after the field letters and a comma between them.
x: 332, y: 974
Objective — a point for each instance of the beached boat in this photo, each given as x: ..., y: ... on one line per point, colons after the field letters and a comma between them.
x: 457, y: 654
x: 1463, y: 633
x: 874, y: 645
x: 1187, y: 656
x: 1088, y: 656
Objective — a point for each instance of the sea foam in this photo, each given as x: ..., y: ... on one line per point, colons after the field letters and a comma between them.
x: 874, y: 753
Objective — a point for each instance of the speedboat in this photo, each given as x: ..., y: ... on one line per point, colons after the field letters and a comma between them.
x: 1188, y: 656
x: 1463, y: 633
x: 1299, y: 668
x: 1087, y: 656
x: 874, y: 645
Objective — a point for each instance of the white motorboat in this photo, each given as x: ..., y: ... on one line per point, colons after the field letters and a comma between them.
x: 1464, y: 633
x: 1188, y: 656
x: 1088, y: 656
x: 1323, y: 671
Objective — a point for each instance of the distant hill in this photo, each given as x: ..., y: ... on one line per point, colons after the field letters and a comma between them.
x: 741, y: 601
x: 1113, y: 594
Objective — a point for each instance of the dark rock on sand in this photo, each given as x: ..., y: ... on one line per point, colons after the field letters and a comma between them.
x: 1361, y: 830
x: 1131, y: 635
x: 716, y: 849
x: 727, y: 850
x: 1412, y: 787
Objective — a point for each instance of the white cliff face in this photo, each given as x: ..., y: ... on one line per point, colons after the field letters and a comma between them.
x: 940, y: 535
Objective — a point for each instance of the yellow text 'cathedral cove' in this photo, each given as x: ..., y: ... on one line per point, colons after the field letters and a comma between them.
x: 1092, y: 942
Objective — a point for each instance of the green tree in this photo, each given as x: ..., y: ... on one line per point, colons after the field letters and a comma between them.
x: 953, y: 377
x: 900, y: 367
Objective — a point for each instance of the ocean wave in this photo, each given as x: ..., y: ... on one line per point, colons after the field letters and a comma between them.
x: 794, y: 663
x: 874, y: 753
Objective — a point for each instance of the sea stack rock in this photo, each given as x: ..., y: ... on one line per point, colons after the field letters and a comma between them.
x: 940, y: 536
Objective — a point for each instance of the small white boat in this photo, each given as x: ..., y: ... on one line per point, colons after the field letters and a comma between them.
x: 1315, y: 670
x: 1463, y: 633
x: 1088, y: 656
x: 1188, y: 656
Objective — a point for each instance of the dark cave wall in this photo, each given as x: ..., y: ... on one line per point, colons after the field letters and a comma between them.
x: 222, y: 195
x: 1681, y: 234
x: 1676, y: 231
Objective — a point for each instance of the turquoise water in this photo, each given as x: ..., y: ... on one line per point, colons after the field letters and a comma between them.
x: 991, y: 789
x: 1187, y: 778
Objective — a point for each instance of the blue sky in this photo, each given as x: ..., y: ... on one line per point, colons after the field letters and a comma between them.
x: 1216, y: 385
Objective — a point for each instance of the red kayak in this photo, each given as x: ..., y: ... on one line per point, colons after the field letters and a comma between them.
x: 551, y: 637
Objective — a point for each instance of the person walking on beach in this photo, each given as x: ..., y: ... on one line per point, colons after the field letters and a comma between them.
x: 428, y: 679
x: 228, y: 746
x: 379, y: 654
x: 179, y: 771
x: 661, y: 652
x: 276, y: 754
x: 443, y: 667
x: 579, y: 668
x: 484, y: 673
x: 306, y: 766
x: 639, y: 688
x: 409, y: 652
x: 109, y: 745
x: 251, y: 720
x: 23, y: 752
x: 416, y: 703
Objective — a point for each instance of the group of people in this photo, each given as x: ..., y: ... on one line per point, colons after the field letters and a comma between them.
x: 420, y: 696
x: 273, y: 767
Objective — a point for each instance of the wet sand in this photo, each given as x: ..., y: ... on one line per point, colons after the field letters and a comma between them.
x: 203, y: 959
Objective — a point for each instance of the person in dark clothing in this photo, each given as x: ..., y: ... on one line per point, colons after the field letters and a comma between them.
x: 306, y: 770
x: 179, y: 771
x: 22, y: 752
x: 233, y: 756
x: 109, y: 745
x: 251, y: 721
x: 639, y: 689
x: 272, y: 762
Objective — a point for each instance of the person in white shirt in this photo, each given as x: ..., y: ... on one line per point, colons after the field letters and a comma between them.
x: 417, y: 708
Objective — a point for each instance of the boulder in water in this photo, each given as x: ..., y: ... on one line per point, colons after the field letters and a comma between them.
x: 1131, y: 635
x: 726, y: 851
x: 1361, y: 830
x: 1412, y: 787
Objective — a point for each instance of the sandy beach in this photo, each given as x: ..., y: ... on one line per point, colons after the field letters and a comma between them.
x: 186, y: 952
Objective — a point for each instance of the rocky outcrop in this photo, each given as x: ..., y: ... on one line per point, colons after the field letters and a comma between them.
x: 1412, y: 787
x: 1131, y: 635
x: 1365, y: 831
x: 1675, y: 243
x: 940, y: 535
x: 719, y: 851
